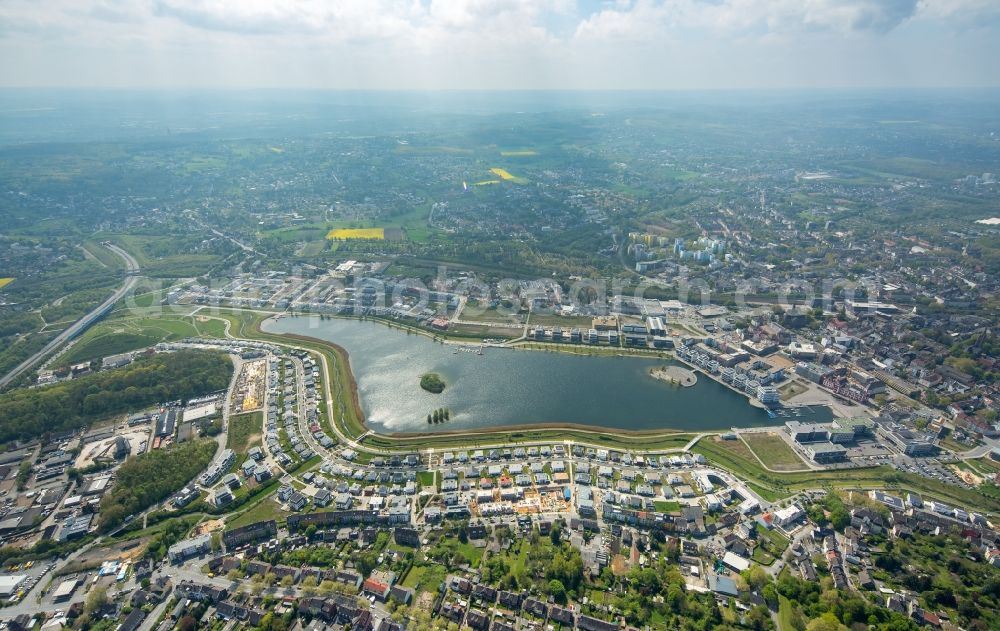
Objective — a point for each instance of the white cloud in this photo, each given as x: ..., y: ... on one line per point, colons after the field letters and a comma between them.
x: 651, y: 19
x: 963, y: 13
x: 492, y: 43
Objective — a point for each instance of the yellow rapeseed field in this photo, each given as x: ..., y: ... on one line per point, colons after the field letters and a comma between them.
x: 506, y: 175
x: 356, y: 233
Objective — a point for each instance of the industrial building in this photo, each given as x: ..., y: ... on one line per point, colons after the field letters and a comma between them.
x: 166, y: 422
x: 9, y: 585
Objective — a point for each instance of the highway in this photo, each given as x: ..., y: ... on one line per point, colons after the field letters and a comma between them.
x: 81, y: 325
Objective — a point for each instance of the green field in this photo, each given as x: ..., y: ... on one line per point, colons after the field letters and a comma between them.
x: 984, y: 466
x: 771, y: 544
x: 773, y: 451
x: 166, y: 256
x: 241, y: 428
x: 146, y: 298
x: 265, y: 508
x: 425, y: 578
x: 413, y: 223
x: 128, y: 334
x: 105, y: 256
x: 955, y: 445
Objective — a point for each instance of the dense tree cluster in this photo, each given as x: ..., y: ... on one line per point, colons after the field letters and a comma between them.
x: 172, y: 532
x: 947, y: 572
x: 552, y: 565
x: 818, y: 606
x: 152, y: 477
x: 73, y: 404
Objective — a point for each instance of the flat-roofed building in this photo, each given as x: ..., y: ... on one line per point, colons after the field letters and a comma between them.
x: 804, y: 433
x: 826, y: 453
x: 188, y: 548
x: 65, y: 590
x: 9, y: 584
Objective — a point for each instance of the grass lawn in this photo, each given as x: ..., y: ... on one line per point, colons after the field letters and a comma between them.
x: 460, y: 441
x: 777, y: 540
x: 666, y: 507
x: 985, y: 466
x: 471, y: 553
x: 426, y: 478
x: 786, y: 613
x: 955, y: 445
x: 773, y: 451
x: 210, y: 327
x: 241, y: 428
x: 105, y: 256
x: 111, y: 337
x: 478, y: 311
x: 762, y: 556
x: 425, y: 578
x: 264, y: 509
x: 771, y: 545
x: 791, y: 389
x: 148, y: 299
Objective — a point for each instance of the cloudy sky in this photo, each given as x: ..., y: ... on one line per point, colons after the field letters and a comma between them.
x: 500, y: 44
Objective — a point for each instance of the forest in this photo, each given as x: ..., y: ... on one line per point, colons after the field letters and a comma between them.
x: 73, y: 404
x: 152, y: 477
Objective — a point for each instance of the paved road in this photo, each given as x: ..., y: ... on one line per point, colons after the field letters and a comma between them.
x: 83, y: 323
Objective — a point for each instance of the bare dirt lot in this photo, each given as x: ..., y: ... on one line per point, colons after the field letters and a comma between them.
x: 138, y: 440
x: 619, y: 565
x: 208, y: 526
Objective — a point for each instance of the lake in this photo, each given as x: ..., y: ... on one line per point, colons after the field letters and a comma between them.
x: 505, y: 386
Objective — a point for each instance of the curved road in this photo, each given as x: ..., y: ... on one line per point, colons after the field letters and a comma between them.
x: 132, y: 271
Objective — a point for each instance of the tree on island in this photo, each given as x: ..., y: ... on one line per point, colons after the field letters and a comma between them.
x: 432, y: 382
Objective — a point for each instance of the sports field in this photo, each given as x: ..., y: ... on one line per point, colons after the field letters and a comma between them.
x: 356, y: 233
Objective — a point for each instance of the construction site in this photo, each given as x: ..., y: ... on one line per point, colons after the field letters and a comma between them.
x: 248, y: 395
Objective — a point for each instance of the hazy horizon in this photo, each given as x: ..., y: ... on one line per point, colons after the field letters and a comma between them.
x: 500, y: 45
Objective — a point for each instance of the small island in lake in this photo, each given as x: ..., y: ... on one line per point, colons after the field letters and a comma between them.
x: 431, y: 382
x: 675, y: 375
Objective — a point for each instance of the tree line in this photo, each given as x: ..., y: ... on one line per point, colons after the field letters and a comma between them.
x: 440, y: 415
x: 152, y: 477
x: 73, y: 404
